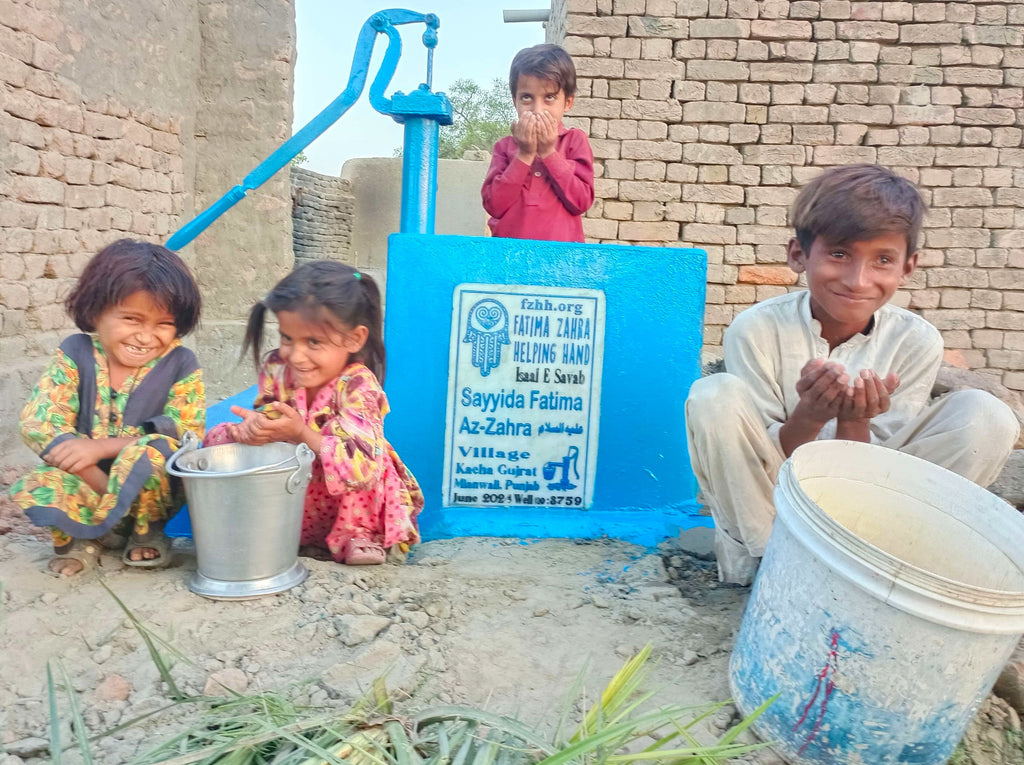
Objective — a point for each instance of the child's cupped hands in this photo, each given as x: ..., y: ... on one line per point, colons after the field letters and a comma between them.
x: 869, y: 395
x: 547, y: 133
x: 275, y: 421
x: 823, y: 390
x: 524, y: 131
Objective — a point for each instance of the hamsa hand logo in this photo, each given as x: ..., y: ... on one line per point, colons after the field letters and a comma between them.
x: 487, y: 330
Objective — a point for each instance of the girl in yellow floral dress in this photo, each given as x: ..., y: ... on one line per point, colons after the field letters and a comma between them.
x: 111, y: 407
x: 322, y: 388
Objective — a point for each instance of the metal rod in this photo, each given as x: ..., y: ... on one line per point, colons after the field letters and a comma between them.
x: 518, y: 15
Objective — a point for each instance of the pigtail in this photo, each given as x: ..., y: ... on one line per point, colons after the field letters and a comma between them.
x: 372, y: 353
x: 254, y: 333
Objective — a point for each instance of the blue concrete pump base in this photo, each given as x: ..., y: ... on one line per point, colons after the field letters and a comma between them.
x: 644, y: 488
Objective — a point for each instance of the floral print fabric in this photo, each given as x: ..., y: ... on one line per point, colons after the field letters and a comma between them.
x: 360, y: 488
x: 52, y: 413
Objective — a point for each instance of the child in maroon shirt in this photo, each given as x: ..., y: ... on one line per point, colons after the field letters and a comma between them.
x: 541, y: 179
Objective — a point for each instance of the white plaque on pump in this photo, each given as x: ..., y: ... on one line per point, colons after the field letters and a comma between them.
x: 524, y: 396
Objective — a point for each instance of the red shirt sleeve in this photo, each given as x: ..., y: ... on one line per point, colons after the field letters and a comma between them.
x: 505, y: 178
x: 570, y: 171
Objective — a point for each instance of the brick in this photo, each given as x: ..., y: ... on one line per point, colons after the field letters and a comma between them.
x: 867, y: 30
x: 45, y: 190
x: 661, y: 231
x: 706, y: 233
x: 780, y: 30
x: 968, y: 116
x: 600, y: 229
x: 798, y: 114
x: 845, y: 73
x: 773, y: 155
x: 775, y: 235
x: 599, y: 67
x: 84, y: 196
x: 848, y: 93
x: 717, y: 70
x: 654, y: 48
x: 931, y: 34
x: 595, y: 26
x: 853, y: 113
x: 781, y: 72
x: 717, y: 111
x: 959, y: 237
x: 864, y: 52
x: 778, y: 275
x: 974, y: 156
x: 844, y: 155
x: 692, y: 8
x: 712, y: 193
x: 994, y: 35
x: 965, y: 318
x: 923, y: 115
x: 667, y: 151
x: 833, y: 50
x: 969, y: 75
x: 711, y: 154
x: 661, y: 8
x: 720, y: 28
x: 665, y: 70
x: 648, y: 191
x: 648, y: 26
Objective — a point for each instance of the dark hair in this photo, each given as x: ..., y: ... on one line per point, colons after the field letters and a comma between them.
x: 349, y: 296
x: 127, y: 266
x: 857, y: 202
x: 546, y: 61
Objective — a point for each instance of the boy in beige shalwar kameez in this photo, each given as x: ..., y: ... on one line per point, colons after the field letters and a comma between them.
x: 835, y: 361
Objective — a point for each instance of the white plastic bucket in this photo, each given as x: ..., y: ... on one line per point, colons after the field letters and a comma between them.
x: 890, y: 596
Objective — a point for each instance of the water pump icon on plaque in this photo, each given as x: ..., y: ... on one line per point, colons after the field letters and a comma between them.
x: 524, y: 394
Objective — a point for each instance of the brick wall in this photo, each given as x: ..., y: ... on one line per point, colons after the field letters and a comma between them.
x: 706, y: 116
x: 322, y: 212
x: 103, y: 135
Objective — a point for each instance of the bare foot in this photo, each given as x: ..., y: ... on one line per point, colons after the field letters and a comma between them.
x: 144, y: 553
x: 66, y: 566
x: 74, y: 558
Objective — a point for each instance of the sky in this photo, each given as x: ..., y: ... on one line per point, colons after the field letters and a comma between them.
x: 473, y: 42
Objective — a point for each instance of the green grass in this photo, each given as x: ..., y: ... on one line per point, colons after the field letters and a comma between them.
x: 626, y: 725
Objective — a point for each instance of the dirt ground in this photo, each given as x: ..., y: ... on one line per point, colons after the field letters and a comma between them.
x: 507, y: 624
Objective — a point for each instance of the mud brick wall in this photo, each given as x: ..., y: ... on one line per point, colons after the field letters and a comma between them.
x: 122, y: 120
x: 706, y: 117
x: 322, y: 212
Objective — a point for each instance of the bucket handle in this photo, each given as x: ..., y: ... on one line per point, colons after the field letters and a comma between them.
x: 304, y: 456
x: 190, y: 442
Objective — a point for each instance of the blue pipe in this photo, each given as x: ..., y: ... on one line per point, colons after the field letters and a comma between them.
x: 381, y: 22
x: 419, y: 176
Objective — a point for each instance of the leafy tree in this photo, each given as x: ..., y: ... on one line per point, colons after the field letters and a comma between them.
x: 481, y: 117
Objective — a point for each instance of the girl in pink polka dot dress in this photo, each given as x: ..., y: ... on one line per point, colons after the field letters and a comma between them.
x: 322, y: 388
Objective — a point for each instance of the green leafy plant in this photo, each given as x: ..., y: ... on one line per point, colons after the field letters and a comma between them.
x: 624, y: 726
x: 480, y: 116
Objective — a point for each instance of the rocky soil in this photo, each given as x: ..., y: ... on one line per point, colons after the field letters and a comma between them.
x: 505, y: 624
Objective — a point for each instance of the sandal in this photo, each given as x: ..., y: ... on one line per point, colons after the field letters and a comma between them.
x: 117, y: 537
x: 363, y: 552
x: 84, y: 551
x: 154, y: 539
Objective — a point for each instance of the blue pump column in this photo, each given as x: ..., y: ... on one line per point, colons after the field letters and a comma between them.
x: 422, y: 112
x: 419, y: 176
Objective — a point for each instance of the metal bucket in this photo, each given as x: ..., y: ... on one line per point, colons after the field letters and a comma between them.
x: 245, y: 504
